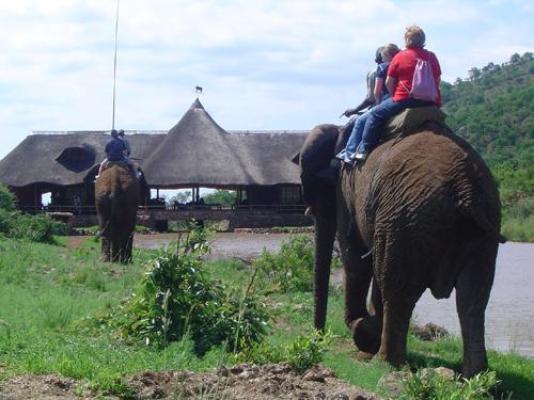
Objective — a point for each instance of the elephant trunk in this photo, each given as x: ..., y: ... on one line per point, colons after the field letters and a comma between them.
x: 325, y: 232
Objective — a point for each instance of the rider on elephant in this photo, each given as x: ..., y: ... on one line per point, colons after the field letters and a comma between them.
x: 348, y: 154
x: 330, y: 173
x: 409, y: 85
x: 117, y: 150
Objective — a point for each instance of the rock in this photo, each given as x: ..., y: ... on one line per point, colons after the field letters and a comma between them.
x: 429, y: 332
x: 446, y: 373
x: 393, y: 382
x: 277, y: 369
x: 340, y: 396
x: 317, y: 374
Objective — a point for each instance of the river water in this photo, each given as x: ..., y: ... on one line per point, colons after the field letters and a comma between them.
x: 510, y: 312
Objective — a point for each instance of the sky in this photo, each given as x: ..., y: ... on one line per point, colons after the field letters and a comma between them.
x: 263, y: 64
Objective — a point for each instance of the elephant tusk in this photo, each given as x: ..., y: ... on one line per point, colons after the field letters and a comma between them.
x: 368, y: 253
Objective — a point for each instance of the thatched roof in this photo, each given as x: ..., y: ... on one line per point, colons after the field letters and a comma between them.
x: 195, y: 152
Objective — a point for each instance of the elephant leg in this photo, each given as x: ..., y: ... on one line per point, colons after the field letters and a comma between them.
x: 367, y: 331
x: 125, y: 246
x: 398, y: 297
x: 106, y: 249
x: 358, y: 275
x: 115, y: 245
x: 128, y: 248
x: 472, y: 293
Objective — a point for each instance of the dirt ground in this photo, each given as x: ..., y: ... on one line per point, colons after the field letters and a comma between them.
x: 266, y: 382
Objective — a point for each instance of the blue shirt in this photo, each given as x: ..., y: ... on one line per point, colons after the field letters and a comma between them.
x: 115, y: 149
x: 382, y: 73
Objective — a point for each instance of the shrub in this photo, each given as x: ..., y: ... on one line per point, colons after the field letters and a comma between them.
x: 307, y: 351
x: 302, y: 353
x: 17, y: 225
x: 36, y: 228
x: 174, y: 299
x: 429, y: 385
x: 7, y: 199
x: 291, y: 269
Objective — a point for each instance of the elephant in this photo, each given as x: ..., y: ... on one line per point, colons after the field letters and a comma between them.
x: 117, y: 192
x: 423, y: 211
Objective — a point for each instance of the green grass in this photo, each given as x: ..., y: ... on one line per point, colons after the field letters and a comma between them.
x: 46, y: 290
x: 518, y: 229
x: 518, y: 219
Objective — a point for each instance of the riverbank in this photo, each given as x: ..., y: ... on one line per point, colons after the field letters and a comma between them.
x: 47, y: 293
x: 509, y: 315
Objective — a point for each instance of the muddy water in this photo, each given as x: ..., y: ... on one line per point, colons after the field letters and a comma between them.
x: 510, y: 312
x: 245, y: 246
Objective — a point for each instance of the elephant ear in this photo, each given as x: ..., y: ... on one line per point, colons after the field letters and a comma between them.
x: 314, y: 159
x: 318, y: 149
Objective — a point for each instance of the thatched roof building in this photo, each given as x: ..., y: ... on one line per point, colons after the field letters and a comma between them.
x: 195, y: 152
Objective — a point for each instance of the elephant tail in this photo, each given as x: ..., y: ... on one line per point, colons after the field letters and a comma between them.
x: 479, y: 217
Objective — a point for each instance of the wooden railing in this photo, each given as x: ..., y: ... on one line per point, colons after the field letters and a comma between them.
x: 90, y: 210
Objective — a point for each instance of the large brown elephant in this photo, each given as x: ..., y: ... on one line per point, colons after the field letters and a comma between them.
x: 117, y: 197
x: 421, y: 212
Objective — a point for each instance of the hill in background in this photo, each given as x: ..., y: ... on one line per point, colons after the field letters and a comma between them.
x: 494, y: 111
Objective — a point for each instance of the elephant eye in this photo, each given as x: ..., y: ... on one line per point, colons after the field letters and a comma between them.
x: 77, y: 158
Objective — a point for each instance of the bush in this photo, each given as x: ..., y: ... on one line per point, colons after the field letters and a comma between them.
x: 291, y: 269
x: 429, y: 385
x: 518, y: 220
x: 17, y: 225
x: 302, y: 353
x: 307, y: 351
x: 174, y: 300
x: 36, y: 228
x: 7, y: 199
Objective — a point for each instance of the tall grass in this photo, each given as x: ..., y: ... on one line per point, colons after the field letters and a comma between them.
x: 518, y: 220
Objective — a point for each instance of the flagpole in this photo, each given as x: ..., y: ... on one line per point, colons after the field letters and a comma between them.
x: 115, y: 66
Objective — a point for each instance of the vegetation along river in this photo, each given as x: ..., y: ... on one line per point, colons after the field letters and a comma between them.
x: 510, y: 312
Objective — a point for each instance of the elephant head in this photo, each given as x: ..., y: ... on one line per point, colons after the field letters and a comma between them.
x: 117, y: 192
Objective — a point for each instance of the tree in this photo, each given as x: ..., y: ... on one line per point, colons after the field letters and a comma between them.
x: 181, y: 197
x: 222, y: 197
x: 7, y: 198
x: 474, y: 73
x: 515, y: 59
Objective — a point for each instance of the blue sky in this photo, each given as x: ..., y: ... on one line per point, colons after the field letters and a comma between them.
x: 263, y: 64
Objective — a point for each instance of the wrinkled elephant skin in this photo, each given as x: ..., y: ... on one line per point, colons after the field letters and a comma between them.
x: 424, y: 212
x: 117, y: 198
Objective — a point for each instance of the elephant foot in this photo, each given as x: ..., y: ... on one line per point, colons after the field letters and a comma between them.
x: 470, y: 369
x: 395, y: 360
x: 363, y: 356
x: 366, y: 334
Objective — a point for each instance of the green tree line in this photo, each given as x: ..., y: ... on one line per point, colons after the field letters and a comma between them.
x: 494, y: 111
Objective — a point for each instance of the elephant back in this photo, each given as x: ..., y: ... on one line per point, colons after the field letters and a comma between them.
x: 117, y: 181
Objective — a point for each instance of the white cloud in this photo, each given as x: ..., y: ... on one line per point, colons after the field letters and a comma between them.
x: 264, y: 64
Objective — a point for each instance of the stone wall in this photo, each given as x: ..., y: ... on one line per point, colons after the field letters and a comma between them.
x: 158, y: 219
